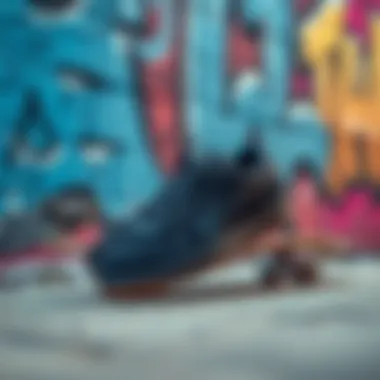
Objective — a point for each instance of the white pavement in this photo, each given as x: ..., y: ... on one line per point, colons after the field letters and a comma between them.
x: 326, y: 334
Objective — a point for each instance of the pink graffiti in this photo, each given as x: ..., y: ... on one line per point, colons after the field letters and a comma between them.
x: 351, y: 217
x: 355, y: 218
x: 358, y: 13
x: 303, y: 6
x: 244, y: 52
x: 300, y: 87
x: 71, y: 248
x: 160, y: 88
x: 305, y: 206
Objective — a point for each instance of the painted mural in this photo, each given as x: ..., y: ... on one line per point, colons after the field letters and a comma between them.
x: 340, y: 45
x: 113, y: 93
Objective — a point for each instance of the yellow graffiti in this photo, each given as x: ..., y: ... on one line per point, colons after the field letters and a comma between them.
x: 349, y: 111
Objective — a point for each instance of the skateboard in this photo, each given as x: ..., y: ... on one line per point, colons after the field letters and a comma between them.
x: 213, y: 213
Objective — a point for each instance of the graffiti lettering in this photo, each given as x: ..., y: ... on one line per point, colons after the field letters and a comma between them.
x: 163, y: 78
x: 350, y: 112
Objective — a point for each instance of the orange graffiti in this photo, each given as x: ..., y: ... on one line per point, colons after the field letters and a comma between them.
x: 348, y: 104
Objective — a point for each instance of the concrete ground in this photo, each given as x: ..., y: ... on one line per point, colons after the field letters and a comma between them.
x: 67, y: 333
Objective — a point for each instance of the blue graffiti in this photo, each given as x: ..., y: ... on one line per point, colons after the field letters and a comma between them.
x: 82, y: 83
x: 260, y: 99
x: 78, y: 65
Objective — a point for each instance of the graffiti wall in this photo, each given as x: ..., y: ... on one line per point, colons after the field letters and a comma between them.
x: 113, y: 93
x: 340, y: 44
